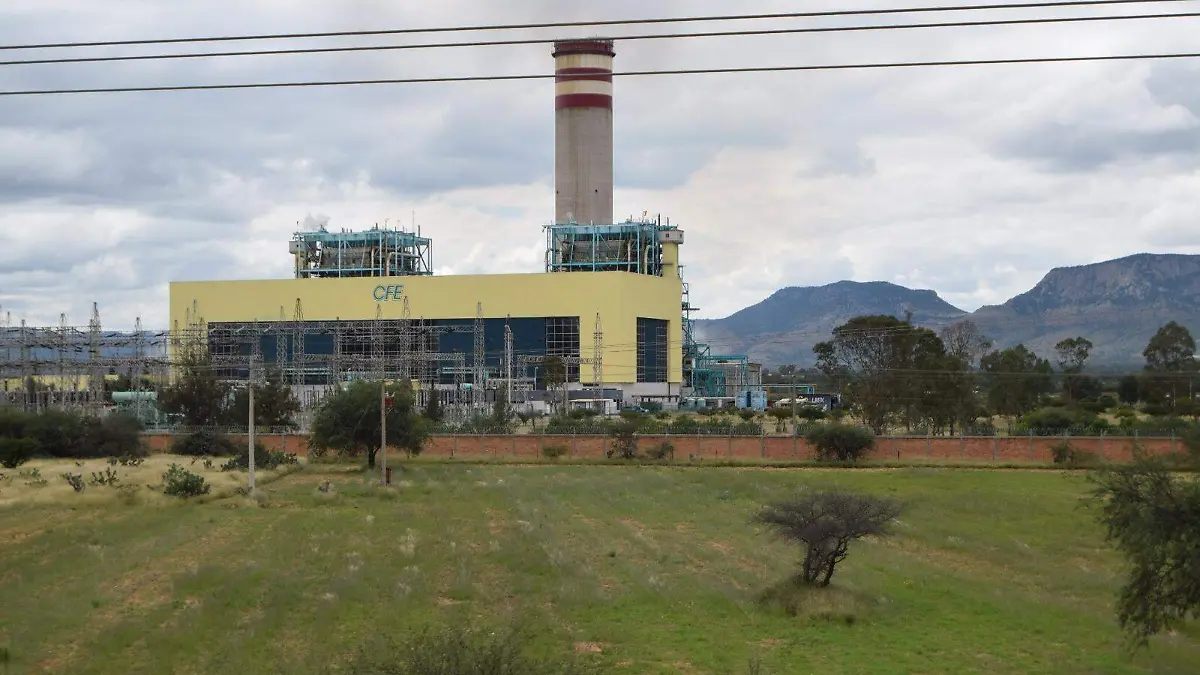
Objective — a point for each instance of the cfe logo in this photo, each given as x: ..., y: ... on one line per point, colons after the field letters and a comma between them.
x: 389, y: 293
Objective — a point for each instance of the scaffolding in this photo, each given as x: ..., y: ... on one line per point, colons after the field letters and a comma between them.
x: 371, y: 253
x: 632, y: 246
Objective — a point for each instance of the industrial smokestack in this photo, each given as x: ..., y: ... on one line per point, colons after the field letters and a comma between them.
x: 583, y: 134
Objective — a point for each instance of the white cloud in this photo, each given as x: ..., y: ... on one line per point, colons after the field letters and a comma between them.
x: 971, y: 181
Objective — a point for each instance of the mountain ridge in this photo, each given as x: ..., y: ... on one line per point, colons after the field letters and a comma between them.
x: 1117, y: 304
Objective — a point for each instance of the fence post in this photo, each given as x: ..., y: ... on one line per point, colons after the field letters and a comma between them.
x: 962, y: 445
x: 1172, y: 446
x: 762, y: 444
x: 1100, y: 450
x: 895, y: 448
x: 795, y: 442
x: 573, y: 449
x: 1031, y: 445
x: 995, y: 446
x: 729, y: 445
x: 483, y: 443
x: 928, y: 443
x: 454, y: 445
x: 514, y: 445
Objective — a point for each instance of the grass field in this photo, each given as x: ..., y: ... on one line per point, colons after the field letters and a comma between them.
x: 653, y: 570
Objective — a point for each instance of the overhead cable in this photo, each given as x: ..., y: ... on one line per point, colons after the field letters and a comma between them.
x: 585, y: 24
x: 634, y: 73
x: 621, y: 38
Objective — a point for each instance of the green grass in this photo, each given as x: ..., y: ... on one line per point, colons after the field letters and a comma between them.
x: 992, y: 572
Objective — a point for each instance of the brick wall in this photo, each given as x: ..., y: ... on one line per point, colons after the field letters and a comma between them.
x: 998, y: 449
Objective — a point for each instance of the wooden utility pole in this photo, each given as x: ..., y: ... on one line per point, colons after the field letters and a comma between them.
x: 250, y: 433
x: 382, y: 431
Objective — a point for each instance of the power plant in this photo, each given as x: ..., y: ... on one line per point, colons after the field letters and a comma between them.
x: 609, y: 317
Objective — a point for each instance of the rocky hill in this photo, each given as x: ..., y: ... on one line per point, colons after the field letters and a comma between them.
x: 1116, y: 304
x: 784, y: 327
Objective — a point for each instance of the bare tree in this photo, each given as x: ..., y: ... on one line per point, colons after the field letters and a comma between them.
x: 965, y: 342
x: 824, y: 524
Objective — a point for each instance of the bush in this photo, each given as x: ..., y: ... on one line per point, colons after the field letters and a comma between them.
x: 204, y: 443
x: 824, y: 524
x: 747, y: 415
x: 624, y: 440
x: 810, y: 413
x: 554, y: 451
x: 75, y: 480
x: 1066, y: 454
x: 661, y: 451
x: 179, y: 482
x: 264, y: 460
x: 16, y: 451
x: 837, y: 442
x: 462, y: 650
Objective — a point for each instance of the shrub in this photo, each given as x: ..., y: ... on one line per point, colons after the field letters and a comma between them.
x: 624, y: 440
x: 1156, y: 410
x: 16, y: 451
x: 810, y: 413
x: 747, y: 415
x: 460, y: 650
x: 117, y: 434
x: 179, y: 482
x: 106, y: 477
x: 204, y: 443
x: 836, y: 442
x: 264, y: 460
x: 75, y: 480
x: 1068, y: 455
x: 661, y: 451
x: 824, y: 524
x: 554, y: 451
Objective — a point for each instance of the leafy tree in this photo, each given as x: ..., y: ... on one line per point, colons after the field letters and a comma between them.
x: 501, y: 412
x: 824, y: 524
x: 1016, y: 380
x: 966, y: 342
x: 275, y: 404
x: 1073, y: 354
x: 889, y: 368
x: 348, y: 420
x: 1072, y: 357
x: 554, y: 375
x: 433, y: 406
x: 197, y: 394
x: 1128, y: 389
x: 1153, y: 518
x: 1170, y: 360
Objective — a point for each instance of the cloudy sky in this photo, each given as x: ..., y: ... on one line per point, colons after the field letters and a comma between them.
x: 972, y: 181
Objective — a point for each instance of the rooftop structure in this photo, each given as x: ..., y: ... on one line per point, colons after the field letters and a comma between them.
x: 638, y: 246
x: 371, y: 253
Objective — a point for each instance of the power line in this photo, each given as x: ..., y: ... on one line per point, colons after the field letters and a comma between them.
x: 584, y: 24
x: 622, y: 38
x: 634, y: 73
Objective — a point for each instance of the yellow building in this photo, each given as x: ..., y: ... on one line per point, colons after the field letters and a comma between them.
x: 619, y: 281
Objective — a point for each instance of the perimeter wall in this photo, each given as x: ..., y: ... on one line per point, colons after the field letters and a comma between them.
x: 985, y: 450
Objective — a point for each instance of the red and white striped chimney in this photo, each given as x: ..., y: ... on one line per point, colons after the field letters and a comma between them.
x: 583, y: 135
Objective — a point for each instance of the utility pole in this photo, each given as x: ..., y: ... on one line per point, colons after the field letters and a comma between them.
x: 250, y: 397
x: 793, y: 400
x: 382, y: 431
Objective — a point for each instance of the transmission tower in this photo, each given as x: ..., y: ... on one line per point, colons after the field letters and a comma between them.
x: 477, y: 375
